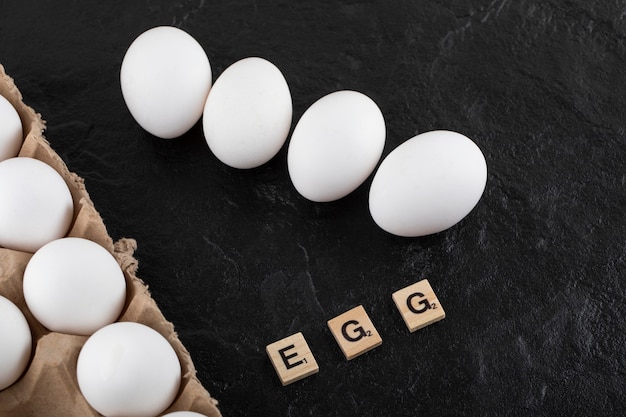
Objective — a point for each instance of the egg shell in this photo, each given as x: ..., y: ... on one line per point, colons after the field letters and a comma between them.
x: 75, y: 286
x: 335, y: 145
x: 11, y: 133
x: 427, y: 184
x: 15, y: 343
x: 165, y: 79
x: 247, y: 115
x: 36, y: 207
x: 128, y: 369
x: 183, y: 414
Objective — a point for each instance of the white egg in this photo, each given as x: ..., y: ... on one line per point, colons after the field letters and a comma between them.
x: 73, y: 285
x: 183, y: 414
x: 10, y: 130
x: 36, y: 204
x: 15, y: 343
x: 165, y: 79
x: 248, y: 112
x: 335, y: 145
x: 427, y: 184
x: 128, y: 369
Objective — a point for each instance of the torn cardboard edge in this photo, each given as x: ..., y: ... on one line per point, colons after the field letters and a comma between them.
x: 49, y: 385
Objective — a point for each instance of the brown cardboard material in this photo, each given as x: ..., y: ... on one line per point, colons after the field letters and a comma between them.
x: 49, y: 387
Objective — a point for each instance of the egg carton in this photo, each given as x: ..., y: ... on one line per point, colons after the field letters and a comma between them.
x: 49, y: 385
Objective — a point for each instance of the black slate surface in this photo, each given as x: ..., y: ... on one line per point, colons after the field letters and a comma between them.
x: 532, y: 281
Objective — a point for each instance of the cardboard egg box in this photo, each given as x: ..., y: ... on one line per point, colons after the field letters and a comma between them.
x: 49, y: 386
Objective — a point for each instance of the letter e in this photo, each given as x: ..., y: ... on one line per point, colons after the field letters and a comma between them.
x: 286, y: 358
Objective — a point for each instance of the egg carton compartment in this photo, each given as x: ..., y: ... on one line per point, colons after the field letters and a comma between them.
x: 49, y: 384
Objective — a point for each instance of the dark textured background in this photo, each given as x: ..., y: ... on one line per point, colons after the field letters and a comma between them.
x: 532, y: 281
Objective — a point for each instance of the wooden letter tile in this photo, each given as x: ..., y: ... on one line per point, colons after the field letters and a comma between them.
x: 354, y: 332
x: 418, y: 305
x: 292, y: 358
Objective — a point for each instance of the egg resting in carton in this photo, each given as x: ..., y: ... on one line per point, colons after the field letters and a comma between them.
x: 49, y: 385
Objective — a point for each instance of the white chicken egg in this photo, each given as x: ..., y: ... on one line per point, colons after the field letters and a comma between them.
x: 11, y: 134
x: 335, y: 145
x: 165, y: 79
x: 36, y: 204
x: 247, y: 115
x: 183, y: 414
x: 75, y: 286
x: 427, y: 184
x: 128, y: 369
x: 15, y: 343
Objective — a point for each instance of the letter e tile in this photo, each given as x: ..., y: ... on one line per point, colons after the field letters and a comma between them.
x: 418, y: 305
x: 292, y: 358
x: 354, y: 332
